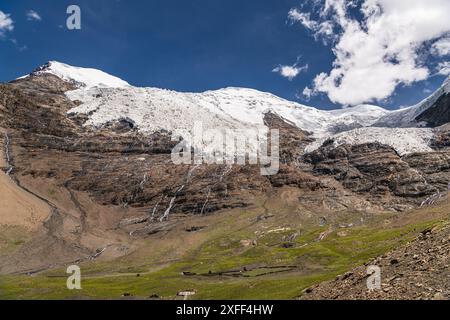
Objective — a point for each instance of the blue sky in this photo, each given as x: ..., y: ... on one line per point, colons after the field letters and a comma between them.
x: 194, y: 45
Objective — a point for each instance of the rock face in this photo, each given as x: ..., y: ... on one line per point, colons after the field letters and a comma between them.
x: 441, y: 140
x: 292, y: 140
x: 419, y: 270
x: 378, y: 172
x: 438, y: 114
x: 117, y: 169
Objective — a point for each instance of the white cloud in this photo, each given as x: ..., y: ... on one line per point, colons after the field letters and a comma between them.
x: 6, y: 23
x: 444, y: 68
x: 33, y: 16
x: 324, y: 28
x: 379, y: 52
x: 441, y: 48
x: 290, y: 72
x: 308, y: 93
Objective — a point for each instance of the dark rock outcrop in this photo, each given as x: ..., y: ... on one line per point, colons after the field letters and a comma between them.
x: 438, y: 114
x: 379, y: 173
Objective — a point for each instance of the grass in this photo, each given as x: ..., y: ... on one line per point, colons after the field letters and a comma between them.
x: 11, y: 238
x: 219, y: 248
x: 318, y: 261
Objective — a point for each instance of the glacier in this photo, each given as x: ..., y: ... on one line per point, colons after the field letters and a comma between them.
x: 105, y: 99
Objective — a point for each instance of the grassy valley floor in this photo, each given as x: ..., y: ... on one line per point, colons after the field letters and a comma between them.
x: 274, y: 250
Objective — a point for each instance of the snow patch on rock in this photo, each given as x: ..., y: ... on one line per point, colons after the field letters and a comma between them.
x: 403, y: 140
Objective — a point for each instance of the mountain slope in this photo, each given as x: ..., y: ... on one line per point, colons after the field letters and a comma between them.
x: 101, y: 158
x: 417, y: 270
x: 416, y: 115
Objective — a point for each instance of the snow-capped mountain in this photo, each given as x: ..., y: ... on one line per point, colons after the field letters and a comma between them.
x: 106, y: 99
x: 83, y: 77
x: 408, y: 117
x: 121, y: 182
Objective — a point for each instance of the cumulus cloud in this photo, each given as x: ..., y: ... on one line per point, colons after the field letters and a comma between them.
x: 444, y: 68
x: 308, y: 93
x: 441, y: 48
x: 33, y: 16
x: 6, y: 23
x: 377, y: 51
x: 290, y: 72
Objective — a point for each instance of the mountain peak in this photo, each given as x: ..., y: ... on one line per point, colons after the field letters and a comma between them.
x: 83, y: 77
